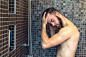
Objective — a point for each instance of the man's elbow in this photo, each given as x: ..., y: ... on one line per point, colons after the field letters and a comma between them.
x: 44, y: 46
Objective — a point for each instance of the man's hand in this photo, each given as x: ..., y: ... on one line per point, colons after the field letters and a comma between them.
x: 44, y: 21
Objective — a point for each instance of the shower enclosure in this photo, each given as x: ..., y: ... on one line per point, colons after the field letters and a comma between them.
x: 74, y: 10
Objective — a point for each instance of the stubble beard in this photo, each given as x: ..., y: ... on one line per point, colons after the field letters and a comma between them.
x: 60, y: 23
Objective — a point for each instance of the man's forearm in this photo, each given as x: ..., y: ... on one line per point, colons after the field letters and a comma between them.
x: 44, y: 36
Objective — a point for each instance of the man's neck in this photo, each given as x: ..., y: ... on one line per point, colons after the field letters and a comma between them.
x: 64, y: 22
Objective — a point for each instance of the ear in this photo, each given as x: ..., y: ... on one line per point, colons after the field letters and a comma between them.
x: 57, y: 14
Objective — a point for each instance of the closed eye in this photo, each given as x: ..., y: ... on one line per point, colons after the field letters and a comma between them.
x: 52, y: 20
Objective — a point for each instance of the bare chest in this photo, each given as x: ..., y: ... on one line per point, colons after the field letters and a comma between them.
x: 67, y: 48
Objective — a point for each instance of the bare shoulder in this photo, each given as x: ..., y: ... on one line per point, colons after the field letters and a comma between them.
x: 69, y: 30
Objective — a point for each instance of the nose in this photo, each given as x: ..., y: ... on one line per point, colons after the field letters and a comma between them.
x: 52, y: 24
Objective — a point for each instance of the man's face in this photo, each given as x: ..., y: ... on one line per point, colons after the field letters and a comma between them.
x: 53, y: 20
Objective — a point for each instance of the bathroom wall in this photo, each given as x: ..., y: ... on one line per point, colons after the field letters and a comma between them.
x: 20, y: 19
x: 74, y: 10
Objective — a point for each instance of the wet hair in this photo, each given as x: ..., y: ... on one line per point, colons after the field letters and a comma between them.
x: 53, y: 11
x: 49, y: 10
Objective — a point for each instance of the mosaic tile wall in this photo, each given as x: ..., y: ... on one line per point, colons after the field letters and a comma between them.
x: 74, y: 10
x: 20, y: 19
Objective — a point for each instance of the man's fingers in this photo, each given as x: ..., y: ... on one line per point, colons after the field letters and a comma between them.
x: 47, y: 16
x: 44, y: 21
x: 60, y: 16
x: 44, y: 15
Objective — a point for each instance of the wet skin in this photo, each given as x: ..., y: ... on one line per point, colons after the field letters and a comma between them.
x: 67, y: 37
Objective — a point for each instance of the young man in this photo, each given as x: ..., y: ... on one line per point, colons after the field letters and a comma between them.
x: 67, y: 36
